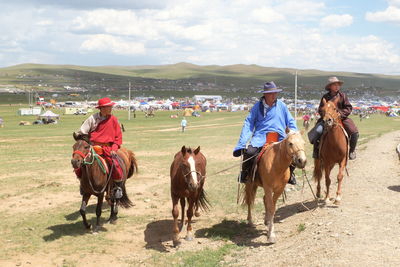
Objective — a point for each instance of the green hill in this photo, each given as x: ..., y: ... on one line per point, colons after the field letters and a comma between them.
x: 189, y: 78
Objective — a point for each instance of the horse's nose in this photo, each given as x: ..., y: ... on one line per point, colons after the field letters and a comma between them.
x: 75, y: 163
x: 301, y: 163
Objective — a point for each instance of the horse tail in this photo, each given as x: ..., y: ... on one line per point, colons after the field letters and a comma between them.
x: 318, y: 166
x: 203, y: 201
x: 248, y: 194
x: 124, y: 201
x: 133, y: 167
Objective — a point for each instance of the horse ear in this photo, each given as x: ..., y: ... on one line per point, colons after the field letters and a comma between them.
x: 75, y: 136
x: 183, y: 150
x: 197, y: 150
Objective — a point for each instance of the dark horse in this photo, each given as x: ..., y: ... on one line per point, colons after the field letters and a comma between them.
x: 188, y: 173
x: 95, y: 181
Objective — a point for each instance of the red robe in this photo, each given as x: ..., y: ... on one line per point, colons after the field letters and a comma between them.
x: 108, y: 132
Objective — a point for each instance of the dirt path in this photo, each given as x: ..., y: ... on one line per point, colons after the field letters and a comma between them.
x: 362, y: 231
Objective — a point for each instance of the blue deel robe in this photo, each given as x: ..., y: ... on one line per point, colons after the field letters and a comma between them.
x: 257, y: 126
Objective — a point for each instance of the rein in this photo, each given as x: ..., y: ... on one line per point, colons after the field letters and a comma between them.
x: 95, y: 156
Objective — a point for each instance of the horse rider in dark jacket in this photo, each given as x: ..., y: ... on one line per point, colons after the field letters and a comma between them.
x: 344, y: 108
x: 269, y: 115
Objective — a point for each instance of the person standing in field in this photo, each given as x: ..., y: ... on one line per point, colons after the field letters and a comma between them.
x: 183, y: 124
x: 268, y: 120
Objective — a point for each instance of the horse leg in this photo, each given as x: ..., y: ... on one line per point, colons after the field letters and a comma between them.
x: 85, y: 199
x: 114, y: 211
x: 317, y: 176
x: 183, y: 203
x: 269, y: 215
x: 175, y: 214
x: 251, y: 189
x: 327, y: 182
x: 98, y: 211
x: 340, y: 179
x: 189, y: 235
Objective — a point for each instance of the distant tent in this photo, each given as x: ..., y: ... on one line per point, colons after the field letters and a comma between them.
x: 50, y: 114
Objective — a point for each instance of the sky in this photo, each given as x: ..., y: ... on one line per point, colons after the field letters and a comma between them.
x: 347, y: 35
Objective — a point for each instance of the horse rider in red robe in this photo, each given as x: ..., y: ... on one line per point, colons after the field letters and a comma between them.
x: 104, y: 130
x: 344, y: 108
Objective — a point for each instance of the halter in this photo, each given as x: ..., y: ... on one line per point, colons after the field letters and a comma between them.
x: 198, y: 173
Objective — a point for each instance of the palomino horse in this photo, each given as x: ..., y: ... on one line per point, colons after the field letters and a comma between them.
x: 333, y: 150
x: 95, y: 181
x: 273, y: 175
x: 188, y: 173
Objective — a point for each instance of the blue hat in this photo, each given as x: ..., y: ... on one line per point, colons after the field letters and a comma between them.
x: 270, y: 87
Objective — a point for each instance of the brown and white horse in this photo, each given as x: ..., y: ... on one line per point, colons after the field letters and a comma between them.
x: 333, y: 150
x: 273, y: 175
x: 188, y: 173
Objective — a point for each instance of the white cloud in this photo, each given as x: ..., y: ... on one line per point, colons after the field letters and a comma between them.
x: 270, y: 33
x: 390, y: 14
x: 267, y: 15
x: 108, y: 43
x: 336, y: 21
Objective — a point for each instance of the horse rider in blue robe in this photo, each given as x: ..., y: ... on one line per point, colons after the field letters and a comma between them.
x: 267, y: 115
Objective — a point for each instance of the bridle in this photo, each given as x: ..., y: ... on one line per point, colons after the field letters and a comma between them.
x: 201, y: 177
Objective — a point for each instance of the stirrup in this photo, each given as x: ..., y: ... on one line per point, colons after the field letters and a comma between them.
x: 117, y: 192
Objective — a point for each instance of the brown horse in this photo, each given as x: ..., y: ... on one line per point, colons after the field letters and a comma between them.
x: 188, y: 174
x: 333, y: 150
x: 94, y: 180
x: 273, y: 175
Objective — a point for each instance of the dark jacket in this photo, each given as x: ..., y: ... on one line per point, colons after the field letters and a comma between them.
x: 344, y: 106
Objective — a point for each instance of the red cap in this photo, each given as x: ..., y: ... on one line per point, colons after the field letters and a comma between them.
x: 105, y: 102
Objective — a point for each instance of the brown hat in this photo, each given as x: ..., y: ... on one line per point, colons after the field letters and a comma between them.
x: 332, y: 80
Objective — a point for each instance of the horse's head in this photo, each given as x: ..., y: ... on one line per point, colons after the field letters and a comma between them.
x: 188, y: 166
x: 295, y: 148
x: 330, y: 113
x: 80, y: 149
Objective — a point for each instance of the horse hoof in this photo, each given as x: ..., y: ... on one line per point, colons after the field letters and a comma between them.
x: 189, y: 238
x: 271, y: 240
x: 88, y: 226
x: 176, y: 243
x: 251, y: 224
x: 337, y: 202
x: 197, y: 214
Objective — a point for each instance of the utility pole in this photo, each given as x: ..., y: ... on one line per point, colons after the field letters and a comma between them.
x: 295, y: 96
x: 129, y: 102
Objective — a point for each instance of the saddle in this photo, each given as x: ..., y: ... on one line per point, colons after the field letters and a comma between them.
x: 99, y: 151
x: 271, y: 138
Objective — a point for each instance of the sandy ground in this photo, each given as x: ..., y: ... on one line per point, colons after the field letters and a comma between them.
x: 362, y: 230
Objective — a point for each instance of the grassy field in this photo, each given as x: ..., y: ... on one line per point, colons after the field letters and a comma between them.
x: 40, y: 195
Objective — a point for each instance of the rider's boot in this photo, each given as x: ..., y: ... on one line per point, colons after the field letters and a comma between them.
x: 292, y: 179
x: 315, y: 154
x: 246, y: 168
x: 353, y: 144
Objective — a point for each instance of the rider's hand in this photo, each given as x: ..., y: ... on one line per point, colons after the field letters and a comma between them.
x: 237, y: 153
